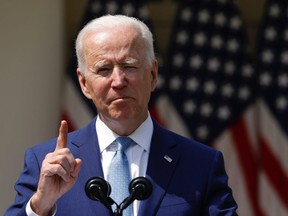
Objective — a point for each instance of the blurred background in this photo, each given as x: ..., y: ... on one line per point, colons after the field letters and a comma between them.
x: 223, y: 80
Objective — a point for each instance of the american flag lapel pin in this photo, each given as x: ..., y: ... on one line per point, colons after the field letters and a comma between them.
x: 169, y: 159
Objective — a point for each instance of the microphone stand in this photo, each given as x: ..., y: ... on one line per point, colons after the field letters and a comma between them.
x: 119, y: 208
x: 118, y: 211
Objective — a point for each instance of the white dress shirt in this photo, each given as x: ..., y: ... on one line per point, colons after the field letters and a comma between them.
x: 137, y: 153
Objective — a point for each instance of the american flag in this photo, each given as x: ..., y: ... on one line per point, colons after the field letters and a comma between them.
x: 273, y: 109
x: 210, y: 90
x: 76, y: 109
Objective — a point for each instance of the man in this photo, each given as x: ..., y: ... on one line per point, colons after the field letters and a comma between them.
x: 117, y: 70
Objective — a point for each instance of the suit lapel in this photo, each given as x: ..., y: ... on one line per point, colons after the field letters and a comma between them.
x: 84, y: 143
x: 88, y: 150
x: 162, y: 162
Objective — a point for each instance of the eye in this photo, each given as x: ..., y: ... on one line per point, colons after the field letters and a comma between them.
x: 103, y: 71
x: 130, y: 66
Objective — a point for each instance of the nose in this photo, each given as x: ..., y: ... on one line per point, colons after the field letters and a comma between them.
x: 118, y: 78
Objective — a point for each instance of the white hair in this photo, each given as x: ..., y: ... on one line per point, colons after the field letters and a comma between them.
x: 112, y: 21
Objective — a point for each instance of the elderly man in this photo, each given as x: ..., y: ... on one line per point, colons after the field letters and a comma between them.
x: 117, y: 70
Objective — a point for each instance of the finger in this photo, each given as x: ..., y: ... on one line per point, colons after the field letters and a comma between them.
x: 51, y: 170
x: 63, y: 157
x: 67, y: 162
x: 62, y: 137
x: 77, y: 167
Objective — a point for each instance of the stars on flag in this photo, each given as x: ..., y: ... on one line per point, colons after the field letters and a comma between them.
x: 210, y: 87
x: 126, y: 7
x: 186, y: 15
x: 210, y: 71
x: 267, y: 56
x: 273, y: 64
x: 196, y: 61
x: 247, y: 70
x: 235, y: 23
x: 227, y: 90
x: 223, y: 112
x: 274, y: 11
x: 189, y: 107
x: 265, y: 79
x: 232, y: 45
x: 229, y: 67
x: 213, y: 64
x: 178, y: 60
x: 200, y: 39
x: 182, y: 38
x: 96, y: 7
x: 192, y: 84
x: 285, y: 36
x: 175, y: 83
x: 203, y: 16
x: 270, y: 33
x: 244, y: 93
x: 283, y: 80
x: 216, y: 42
x: 281, y: 103
x: 112, y: 7
x: 284, y: 57
x: 220, y: 19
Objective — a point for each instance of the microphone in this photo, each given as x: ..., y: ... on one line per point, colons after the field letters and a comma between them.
x: 140, y: 188
x: 98, y: 189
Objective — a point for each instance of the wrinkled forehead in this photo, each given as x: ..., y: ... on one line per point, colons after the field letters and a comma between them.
x: 114, y: 38
x: 120, y: 44
x: 115, y: 34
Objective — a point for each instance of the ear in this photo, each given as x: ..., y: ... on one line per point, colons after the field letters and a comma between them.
x: 83, y: 83
x: 154, y: 75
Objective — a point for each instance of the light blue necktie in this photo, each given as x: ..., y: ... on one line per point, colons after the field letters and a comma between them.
x: 119, y: 173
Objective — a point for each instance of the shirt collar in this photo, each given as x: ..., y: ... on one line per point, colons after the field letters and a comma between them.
x: 142, y: 135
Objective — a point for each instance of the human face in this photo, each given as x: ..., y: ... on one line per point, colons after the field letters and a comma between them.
x: 118, y: 78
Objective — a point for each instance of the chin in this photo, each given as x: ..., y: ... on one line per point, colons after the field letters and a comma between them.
x: 121, y: 115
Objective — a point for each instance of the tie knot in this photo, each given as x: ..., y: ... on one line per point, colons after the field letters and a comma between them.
x: 123, y: 142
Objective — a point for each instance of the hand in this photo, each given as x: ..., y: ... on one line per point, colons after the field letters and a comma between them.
x: 58, y: 174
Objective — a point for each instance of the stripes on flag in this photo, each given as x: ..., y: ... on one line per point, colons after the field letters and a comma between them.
x: 273, y: 108
x: 209, y: 91
x: 240, y: 148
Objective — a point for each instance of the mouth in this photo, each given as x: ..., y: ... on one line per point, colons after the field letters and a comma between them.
x: 121, y: 99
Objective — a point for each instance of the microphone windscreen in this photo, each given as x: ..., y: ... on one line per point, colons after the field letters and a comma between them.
x: 141, y: 188
x: 96, y: 187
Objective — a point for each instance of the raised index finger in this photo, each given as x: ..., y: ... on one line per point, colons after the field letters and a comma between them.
x: 62, y: 137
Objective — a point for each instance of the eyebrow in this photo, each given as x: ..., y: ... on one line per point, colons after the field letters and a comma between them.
x: 100, y: 64
x: 131, y: 61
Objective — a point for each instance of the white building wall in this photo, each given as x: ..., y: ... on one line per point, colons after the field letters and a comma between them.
x: 31, y: 68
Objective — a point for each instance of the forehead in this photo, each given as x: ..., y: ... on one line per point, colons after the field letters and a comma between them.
x: 116, y: 40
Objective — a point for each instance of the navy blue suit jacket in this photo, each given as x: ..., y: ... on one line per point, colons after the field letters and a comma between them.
x: 193, y: 183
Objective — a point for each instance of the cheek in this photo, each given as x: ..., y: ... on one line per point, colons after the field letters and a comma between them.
x: 97, y: 90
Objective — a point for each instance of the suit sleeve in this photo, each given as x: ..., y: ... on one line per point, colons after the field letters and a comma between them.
x: 219, y: 198
x: 26, y: 185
